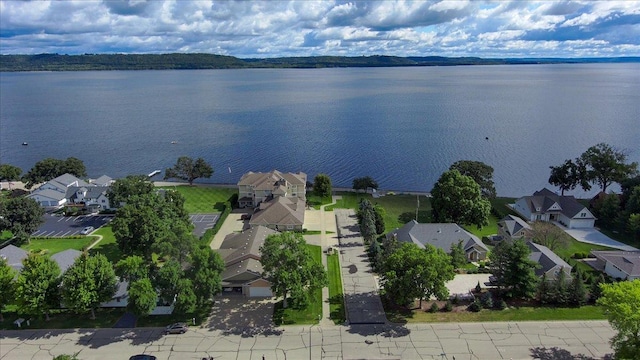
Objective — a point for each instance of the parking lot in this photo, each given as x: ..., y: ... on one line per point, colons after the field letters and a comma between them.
x: 203, y: 222
x: 63, y: 226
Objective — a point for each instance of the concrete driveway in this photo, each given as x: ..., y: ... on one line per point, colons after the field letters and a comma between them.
x: 235, y: 314
x: 593, y: 236
x: 462, y: 284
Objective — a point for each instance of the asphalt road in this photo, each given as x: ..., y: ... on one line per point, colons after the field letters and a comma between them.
x: 61, y: 226
x: 512, y: 340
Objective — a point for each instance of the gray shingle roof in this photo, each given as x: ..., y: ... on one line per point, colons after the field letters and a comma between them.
x: 14, y: 256
x: 48, y: 193
x: 546, y: 258
x: 270, y: 180
x: 627, y: 261
x: 92, y: 191
x: 513, y: 224
x: 240, y: 252
x: 545, y: 198
x: 440, y: 235
x: 66, y: 258
x: 103, y: 180
x: 68, y: 180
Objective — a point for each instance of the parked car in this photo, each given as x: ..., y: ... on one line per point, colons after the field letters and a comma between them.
x: 87, y: 230
x: 143, y: 357
x: 177, y: 328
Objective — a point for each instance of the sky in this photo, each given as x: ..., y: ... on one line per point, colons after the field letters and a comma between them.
x: 265, y: 29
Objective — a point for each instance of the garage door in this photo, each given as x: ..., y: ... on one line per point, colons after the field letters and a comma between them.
x: 581, y: 224
x: 260, y: 292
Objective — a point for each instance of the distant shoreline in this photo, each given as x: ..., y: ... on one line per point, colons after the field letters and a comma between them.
x: 178, y: 61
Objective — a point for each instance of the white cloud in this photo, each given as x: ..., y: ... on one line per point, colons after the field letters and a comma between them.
x: 313, y: 27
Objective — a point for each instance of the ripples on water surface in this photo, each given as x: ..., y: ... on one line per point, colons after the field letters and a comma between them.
x: 402, y: 126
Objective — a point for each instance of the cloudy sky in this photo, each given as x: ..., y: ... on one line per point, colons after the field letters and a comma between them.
x: 307, y: 28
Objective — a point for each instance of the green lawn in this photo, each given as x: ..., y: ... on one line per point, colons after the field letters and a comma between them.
x: 316, y: 201
x: 588, y: 312
x: 56, y: 245
x: 107, y: 246
x: 311, y: 313
x: 490, y: 229
x: 400, y: 209
x: 336, y: 297
x: 203, y: 199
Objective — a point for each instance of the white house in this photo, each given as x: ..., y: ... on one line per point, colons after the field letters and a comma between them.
x: 68, y: 189
x: 623, y: 265
x: 546, y: 205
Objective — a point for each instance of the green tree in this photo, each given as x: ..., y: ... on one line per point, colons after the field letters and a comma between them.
x: 546, y: 294
x: 142, y: 297
x: 621, y: 303
x: 578, y: 290
x: 10, y: 172
x: 123, y: 189
x: 66, y: 357
x: 607, y: 210
x: 561, y: 288
x: 132, y: 268
x: 50, y: 168
x: 187, y: 169
x: 514, y: 272
x: 186, y: 299
x: 634, y: 225
x: 166, y: 280
x: 7, y: 285
x: 367, y: 218
x: 37, y: 286
x: 379, y: 213
x: 289, y: 266
x: 458, y: 256
x: 204, y: 273
x: 87, y: 283
x: 177, y: 243
x: 549, y: 235
x: 21, y: 215
x: 138, y: 226
x: 457, y: 198
x: 632, y: 205
x: 413, y: 273
x: 480, y: 172
x: 566, y: 176
x: 605, y: 165
x: 364, y: 183
x: 322, y: 185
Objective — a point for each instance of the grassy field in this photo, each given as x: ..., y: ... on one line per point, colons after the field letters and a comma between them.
x: 56, y: 245
x: 310, y: 314
x: 107, y: 246
x: 490, y: 229
x: 203, y: 199
x: 588, y: 312
x: 316, y: 201
x: 400, y: 209
x: 336, y: 297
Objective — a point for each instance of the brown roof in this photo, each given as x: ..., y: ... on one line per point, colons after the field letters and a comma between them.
x: 241, y: 253
x: 279, y: 211
x: 272, y: 180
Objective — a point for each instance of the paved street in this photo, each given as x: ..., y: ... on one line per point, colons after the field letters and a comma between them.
x: 524, y: 340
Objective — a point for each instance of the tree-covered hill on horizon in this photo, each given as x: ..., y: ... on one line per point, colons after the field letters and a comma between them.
x: 177, y: 61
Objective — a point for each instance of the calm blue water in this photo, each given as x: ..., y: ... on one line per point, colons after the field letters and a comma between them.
x: 402, y: 126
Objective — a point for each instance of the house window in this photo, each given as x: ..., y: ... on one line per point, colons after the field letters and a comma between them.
x: 289, y: 227
x: 584, y: 214
x: 103, y: 201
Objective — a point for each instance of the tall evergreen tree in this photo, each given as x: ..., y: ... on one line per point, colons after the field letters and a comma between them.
x: 578, y: 290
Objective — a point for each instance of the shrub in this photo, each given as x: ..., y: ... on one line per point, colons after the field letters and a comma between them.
x: 475, y: 306
x: 487, y: 300
x: 455, y: 300
x: 501, y: 305
x: 478, y: 287
x: 434, y: 308
x: 448, y: 306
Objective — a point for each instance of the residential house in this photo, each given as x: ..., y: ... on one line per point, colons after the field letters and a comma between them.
x: 280, y: 213
x: 550, y: 263
x: 254, y: 188
x: 68, y: 189
x: 442, y: 236
x: 546, y: 205
x: 243, y: 270
x: 623, y: 265
x: 14, y: 256
x: 513, y: 227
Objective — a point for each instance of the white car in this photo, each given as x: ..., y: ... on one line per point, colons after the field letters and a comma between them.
x: 87, y: 230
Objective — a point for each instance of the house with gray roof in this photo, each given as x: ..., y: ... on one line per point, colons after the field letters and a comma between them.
x: 442, y: 236
x: 241, y: 255
x: 545, y: 205
x: 513, y: 227
x: 68, y: 189
x: 103, y: 180
x: 254, y: 188
x: 94, y: 196
x: 14, y: 256
x: 623, y: 265
x: 280, y: 213
x: 66, y: 258
x: 550, y: 263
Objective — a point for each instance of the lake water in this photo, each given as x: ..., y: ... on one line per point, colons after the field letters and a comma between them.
x: 402, y: 126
